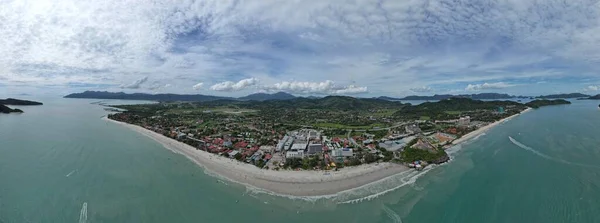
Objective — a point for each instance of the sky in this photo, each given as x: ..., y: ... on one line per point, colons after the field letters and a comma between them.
x: 357, y: 47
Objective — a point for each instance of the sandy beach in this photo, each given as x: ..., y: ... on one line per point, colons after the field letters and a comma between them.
x: 485, y: 128
x: 286, y: 182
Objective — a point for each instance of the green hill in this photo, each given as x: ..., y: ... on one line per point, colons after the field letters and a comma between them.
x: 541, y: 103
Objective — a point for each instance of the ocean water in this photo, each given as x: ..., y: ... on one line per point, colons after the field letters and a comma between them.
x: 61, y: 163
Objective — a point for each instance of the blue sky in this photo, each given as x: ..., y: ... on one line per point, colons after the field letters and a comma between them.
x: 359, y: 47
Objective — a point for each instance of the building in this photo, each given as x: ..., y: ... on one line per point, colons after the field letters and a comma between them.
x: 464, y: 121
x: 396, y: 144
x: 282, y: 143
x: 313, y: 135
x: 294, y: 154
x: 298, y: 147
x: 266, y: 149
x: 345, y: 152
x: 233, y: 153
x: 314, y: 148
x: 412, y: 129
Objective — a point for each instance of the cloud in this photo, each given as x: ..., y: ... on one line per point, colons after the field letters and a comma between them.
x: 325, y: 87
x: 136, y: 84
x: 376, y: 44
x: 234, y: 86
x: 198, y: 86
x: 487, y: 86
x: 421, y: 89
x: 592, y: 88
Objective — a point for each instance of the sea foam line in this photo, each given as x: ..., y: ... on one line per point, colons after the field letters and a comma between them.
x: 408, y: 180
x: 538, y: 153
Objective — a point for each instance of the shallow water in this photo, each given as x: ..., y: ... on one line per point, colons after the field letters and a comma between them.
x: 61, y: 163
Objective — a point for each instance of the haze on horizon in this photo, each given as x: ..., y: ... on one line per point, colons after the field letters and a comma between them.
x: 360, y: 47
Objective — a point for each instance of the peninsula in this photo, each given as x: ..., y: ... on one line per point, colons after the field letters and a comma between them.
x: 558, y: 96
x: 308, y: 147
x: 11, y: 101
x: 541, y: 103
x: 596, y: 97
x: 5, y: 109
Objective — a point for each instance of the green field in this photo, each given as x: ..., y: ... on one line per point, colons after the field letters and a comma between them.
x: 384, y: 113
x: 453, y: 112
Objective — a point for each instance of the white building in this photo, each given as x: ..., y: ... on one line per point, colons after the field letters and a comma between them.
x: 233, y: 153
x: 266, y: 148
x: 345, y: 152
x: 294, y: 154
x: 464, y: 121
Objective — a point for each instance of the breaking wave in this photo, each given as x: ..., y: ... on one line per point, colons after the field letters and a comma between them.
x: 538, y: 153
x: 356, y: 195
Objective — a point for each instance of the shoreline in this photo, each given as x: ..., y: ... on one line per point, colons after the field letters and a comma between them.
x: 284, y: 182
x: 483, y: 129
x: 288, y: 182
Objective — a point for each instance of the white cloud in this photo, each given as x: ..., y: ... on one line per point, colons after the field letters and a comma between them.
x: 325, y: 87
x: 374, y: 43
x: 234, y: 86
x: 198, y: 86
x: 136, y: 84
x: 421, y: 89
x: 487, y: 86
x: 592, y: 88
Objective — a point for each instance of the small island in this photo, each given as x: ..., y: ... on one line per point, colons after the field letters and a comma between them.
x: 11, y: 101
x: 542, y: 103
x: 559, y: 96
x: 597, y: 97
x: 5, y: 109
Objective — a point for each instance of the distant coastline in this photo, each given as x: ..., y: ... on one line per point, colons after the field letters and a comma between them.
x: 289, y: 182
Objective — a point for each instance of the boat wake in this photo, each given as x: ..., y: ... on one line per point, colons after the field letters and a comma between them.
x: 538, y: 153
x: 70, y: 173
x: 83, y: 213
x: 392, y: 214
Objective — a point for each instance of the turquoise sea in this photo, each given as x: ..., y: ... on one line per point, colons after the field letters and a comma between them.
x: 61, y: 163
